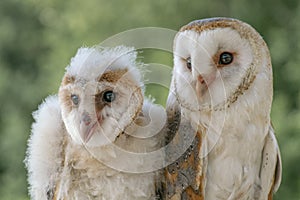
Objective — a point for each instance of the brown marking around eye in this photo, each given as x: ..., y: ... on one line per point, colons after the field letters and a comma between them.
x: 68, y: 80
x: 99, y: 104
x: 65, y: 95
x: 216, y: 58
x: 113, y: 76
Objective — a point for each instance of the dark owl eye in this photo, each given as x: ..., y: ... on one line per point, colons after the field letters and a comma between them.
x: 225, y: 58
x: 109, y: 96
x: 75, y: 99
x: 189, y: 63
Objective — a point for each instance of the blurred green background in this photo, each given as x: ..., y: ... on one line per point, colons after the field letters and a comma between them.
x: 38, y: 38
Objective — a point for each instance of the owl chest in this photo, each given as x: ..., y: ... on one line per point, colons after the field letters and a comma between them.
x: 234, y: 163
x: 84, y: 177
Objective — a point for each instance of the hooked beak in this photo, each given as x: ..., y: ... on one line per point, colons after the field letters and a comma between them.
x: 201, y: 86
x: 203, y: 83
x: 88, y: 126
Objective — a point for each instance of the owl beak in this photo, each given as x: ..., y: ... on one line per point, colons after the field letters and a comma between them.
x: 88, y: 132
x: 201, y: 86
x: 203, y: 82
x: 87, y: 126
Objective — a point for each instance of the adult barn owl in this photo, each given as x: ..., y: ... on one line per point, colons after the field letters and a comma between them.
x: 86, y: 141
x: 222, y: 85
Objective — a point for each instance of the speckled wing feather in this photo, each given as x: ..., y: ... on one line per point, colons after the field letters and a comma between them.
x: 271, y: 167
x: 184, y: 177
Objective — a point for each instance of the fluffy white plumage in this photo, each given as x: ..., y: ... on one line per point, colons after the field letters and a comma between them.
x: 222, y: 83
x: 96, y: 60
x: 84, y: 141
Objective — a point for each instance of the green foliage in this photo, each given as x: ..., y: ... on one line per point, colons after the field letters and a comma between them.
x: 38, y: 38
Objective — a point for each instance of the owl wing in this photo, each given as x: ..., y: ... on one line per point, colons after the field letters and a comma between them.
x: 271, y: 167
x: 185, y: 176
x: 173, y: 114
x: 43, y: 160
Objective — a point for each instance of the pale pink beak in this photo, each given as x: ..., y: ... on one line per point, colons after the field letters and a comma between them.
x: 201, y: 87
x: 202, y: 84
x: 88, y: 126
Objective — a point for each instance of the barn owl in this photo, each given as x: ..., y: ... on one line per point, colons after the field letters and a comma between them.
x: 88, y: 141
x: 222, y: 86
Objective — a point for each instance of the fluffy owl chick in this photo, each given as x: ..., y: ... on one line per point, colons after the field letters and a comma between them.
x: 222, y: 84
x: 88, y: 142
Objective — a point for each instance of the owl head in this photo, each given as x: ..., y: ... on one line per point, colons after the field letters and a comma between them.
x: 100, y: 94
x: 216, y: 61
